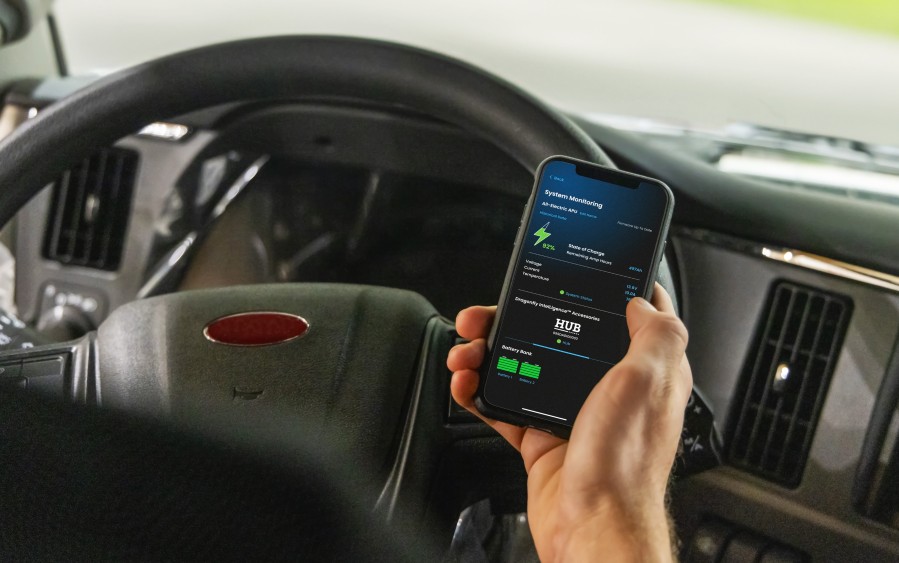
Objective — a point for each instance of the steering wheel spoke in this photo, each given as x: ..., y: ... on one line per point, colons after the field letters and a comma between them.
x: 62, y: 371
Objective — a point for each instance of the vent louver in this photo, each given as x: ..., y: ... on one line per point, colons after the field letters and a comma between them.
x: 89, y: 210
x: 785, y: 380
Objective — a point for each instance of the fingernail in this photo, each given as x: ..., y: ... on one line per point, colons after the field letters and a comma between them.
x: 644, y: 303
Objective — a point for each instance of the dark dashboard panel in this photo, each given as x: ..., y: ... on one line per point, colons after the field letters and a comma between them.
x: 161, y: 164
x: 447, y: 241
x: 469, y: 186
x: 724, y: 292
x: 854, y: 230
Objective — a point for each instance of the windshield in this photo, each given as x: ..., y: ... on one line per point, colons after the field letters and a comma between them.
x: 815, y: 66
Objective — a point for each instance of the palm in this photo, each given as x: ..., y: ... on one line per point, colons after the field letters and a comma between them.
x: 543, y: 454
x: 623, y: 443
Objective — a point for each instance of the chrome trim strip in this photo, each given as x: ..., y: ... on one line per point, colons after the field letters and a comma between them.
x: 833, y: 267
x: 790, y: 256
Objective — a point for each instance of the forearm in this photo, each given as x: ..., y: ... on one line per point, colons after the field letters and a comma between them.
x: 614, y: 536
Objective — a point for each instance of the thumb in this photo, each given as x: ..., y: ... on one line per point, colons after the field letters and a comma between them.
x: 639, y: 312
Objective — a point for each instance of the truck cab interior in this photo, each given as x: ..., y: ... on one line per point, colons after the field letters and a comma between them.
x: 372, y: 187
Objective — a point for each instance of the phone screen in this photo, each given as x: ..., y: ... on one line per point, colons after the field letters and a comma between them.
x: 588, y: 249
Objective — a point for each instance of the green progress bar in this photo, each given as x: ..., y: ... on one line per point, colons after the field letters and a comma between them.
x: 507, y: 364
x: 530, y: 370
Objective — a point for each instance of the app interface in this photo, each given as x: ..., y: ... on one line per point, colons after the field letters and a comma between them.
x: 586, y: 251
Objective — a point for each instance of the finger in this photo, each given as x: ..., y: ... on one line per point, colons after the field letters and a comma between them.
x: 656, y: 359
x: 467, y: 356
x: 475, y: 322
x: 532, y: 444
x: 463, y: 387
x: 639, y: 312
x: 655, y: 335
x: 661, y: 300
x: 535, y: 444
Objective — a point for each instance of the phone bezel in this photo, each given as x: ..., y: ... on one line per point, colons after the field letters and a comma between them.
x: 517, y: 418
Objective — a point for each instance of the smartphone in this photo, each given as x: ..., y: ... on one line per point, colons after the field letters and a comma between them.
x: 590, y: 240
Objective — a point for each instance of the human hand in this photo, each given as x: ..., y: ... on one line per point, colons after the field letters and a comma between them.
x: 602, y: 493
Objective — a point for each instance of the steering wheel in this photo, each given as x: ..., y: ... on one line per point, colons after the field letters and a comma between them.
x: 369, y: 372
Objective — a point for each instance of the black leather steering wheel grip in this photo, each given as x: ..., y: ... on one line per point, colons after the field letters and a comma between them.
x: 273, y: 68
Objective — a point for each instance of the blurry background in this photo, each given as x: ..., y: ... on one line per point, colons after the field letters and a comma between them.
x: 816, y: 66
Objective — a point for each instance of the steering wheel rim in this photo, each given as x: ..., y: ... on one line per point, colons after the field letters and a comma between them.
x: 38, y: 151
x: 276, y: 68
x: 279, y: 68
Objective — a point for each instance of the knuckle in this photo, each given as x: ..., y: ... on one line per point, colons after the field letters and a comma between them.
x: 657, y: 366
x: 670, y: 329
x: 467, y: 355
x: 636, y: 375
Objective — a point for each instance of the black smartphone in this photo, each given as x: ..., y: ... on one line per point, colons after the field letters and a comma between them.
x: 591, y: 239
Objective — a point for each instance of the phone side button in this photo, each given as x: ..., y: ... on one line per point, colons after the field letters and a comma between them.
x: 547, y: 430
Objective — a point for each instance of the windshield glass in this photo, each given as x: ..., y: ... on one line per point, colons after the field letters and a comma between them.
x: 814, y: 66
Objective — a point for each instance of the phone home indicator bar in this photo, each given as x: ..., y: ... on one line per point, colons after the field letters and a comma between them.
x: 544, y: 414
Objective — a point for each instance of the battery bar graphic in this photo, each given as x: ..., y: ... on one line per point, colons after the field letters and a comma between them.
x: 529, y: 370
x: 507, y: 364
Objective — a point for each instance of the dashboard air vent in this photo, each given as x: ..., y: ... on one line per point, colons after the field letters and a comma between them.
x: 785, y: 380
x: 89, y: 210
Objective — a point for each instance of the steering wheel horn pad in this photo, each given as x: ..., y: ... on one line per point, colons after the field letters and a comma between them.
x: 351, y: 371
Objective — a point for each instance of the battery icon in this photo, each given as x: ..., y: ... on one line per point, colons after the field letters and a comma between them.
x: 529, y: 370
x: 507, y: 364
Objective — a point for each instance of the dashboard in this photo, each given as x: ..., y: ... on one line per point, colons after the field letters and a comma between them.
x: 328, y: 205
x: 289, y: 192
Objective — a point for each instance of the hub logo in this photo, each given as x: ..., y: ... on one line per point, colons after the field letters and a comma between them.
x: 568, y: 326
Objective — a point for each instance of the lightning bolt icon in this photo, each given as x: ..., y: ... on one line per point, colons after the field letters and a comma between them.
x: 541, y: 234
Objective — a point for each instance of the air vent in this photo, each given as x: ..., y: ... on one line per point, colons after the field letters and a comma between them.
x: 785, y: 380
x: 89, y: 211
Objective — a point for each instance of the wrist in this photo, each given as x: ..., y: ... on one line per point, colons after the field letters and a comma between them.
x: 618, y: 533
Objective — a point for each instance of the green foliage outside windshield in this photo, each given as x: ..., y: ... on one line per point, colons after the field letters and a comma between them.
x: 872, y: 15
